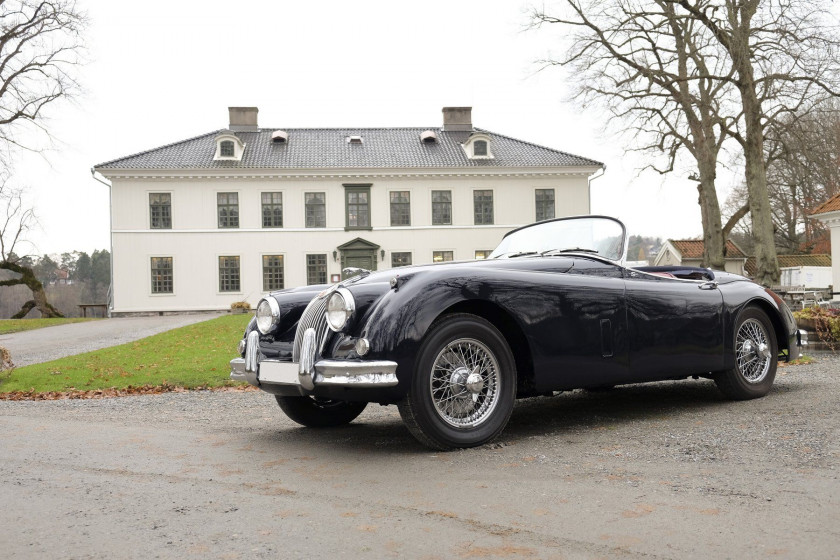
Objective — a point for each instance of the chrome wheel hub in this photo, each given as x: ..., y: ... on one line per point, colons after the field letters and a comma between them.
x: 464, y: 383
x: 458, y: 380
x: 752, y: 351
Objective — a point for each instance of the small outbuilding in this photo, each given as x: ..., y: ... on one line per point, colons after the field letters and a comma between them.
x: 689, y: 252
x: 810, y: 271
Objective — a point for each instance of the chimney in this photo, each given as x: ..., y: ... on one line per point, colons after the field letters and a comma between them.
x: 457, y: 119
x: 243, y: 118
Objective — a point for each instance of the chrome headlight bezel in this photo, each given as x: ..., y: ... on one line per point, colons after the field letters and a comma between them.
x: 267, y: 315
x: 340, y: 308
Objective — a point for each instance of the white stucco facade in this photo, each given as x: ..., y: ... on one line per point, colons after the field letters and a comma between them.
x: 832, y: 220
x: 195, y: 241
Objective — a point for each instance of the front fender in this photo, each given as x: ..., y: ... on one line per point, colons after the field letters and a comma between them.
x: 397, y: 324
x: 738, y: 296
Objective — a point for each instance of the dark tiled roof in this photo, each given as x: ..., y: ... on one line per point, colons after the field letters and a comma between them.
x: 830, y: 205
x: 751, y: 267
x: 318, y: 148
x: 693, y: 249
x: 804, y: 260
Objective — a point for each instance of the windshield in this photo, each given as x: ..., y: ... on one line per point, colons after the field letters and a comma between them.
x: 590, y: 234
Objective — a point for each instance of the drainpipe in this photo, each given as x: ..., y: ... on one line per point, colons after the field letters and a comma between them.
x: 589, y: 184
x: 110, y: 236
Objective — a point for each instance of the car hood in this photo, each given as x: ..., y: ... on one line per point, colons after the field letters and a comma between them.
x: 553, y: 264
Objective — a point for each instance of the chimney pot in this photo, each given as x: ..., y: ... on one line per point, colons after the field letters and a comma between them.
x: 457, y: 119
x: 243, y: 118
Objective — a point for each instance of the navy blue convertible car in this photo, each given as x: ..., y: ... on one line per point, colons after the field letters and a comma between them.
x: 553, y: 308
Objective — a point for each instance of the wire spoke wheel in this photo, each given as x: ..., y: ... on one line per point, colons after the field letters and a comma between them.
x: 755, y: 353
x: 752, y: 351
x: 464, y: 383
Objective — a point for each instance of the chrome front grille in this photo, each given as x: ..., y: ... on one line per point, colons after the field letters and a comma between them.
x: 314, y: 316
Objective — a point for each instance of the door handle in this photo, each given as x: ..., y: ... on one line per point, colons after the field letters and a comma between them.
x: 606, y: 338
x: 708, y: 286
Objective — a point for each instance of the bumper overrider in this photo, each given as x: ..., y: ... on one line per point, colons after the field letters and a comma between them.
x: 309, y: 373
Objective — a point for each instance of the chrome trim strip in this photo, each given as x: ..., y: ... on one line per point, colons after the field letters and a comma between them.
x: 252, y: 348
x: 375, y: 373
x: 314, y: 316
x: 378, y: 373
x: 238, y: 372
x: 306, y: 369
x: 237, y: 369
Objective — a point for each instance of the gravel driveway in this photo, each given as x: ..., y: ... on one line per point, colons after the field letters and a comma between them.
x: 42, y: 345
x: 667, y: 470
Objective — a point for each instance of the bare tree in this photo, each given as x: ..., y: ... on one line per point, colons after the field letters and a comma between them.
x: 803, y: 170
x: 40, y: 43
x: 15, y: 221
x: 784, y: 57
x: 661, y: 73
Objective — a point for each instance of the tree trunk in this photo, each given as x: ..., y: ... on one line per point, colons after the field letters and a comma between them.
x: 767, y: 265
x: 39, y: 296
x: 713, y: 238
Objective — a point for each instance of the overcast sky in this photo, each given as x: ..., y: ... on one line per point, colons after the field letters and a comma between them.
x: 163, y: 71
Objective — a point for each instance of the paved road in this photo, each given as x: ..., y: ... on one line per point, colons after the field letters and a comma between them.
x: 668, y: 470
x: 51, y: 343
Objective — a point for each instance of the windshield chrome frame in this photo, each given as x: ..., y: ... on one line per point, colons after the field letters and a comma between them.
x: 621, y: 262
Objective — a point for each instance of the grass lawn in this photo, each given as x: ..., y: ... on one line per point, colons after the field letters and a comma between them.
x: 192, y: 356
x: 8, y: 326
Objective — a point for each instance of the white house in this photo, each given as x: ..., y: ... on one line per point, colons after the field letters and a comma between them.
x: 232, y: 214
x: 689, y: 252
x: 829, y: 214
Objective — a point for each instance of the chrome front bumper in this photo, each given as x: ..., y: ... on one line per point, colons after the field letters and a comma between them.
x: 309, y: 373
x: 380, y: 373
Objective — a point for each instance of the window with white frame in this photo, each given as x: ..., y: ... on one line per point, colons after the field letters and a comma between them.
x: 441, y: 208
x: 545, y: 204
x: 400, y: 208
x: 272, y: 209
x: 229, y: 274
x: 228, y: 209
x: 160, y: 210
x: 316, y: 209
x: 316, y: 269
x: 400, y: 259
x: 483, y: 206
x: 272, y: 273
x: 162, y: 280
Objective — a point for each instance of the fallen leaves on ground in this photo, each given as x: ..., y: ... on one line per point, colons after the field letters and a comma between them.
x: 33, y: 395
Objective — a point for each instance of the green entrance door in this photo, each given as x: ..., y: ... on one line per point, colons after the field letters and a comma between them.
x: 367, y: 262
x: 358, y: 253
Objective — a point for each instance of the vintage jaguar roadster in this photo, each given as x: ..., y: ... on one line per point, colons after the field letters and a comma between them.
x: 552, y: 309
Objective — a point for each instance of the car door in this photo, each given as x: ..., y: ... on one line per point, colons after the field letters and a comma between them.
x: 675, y: 327
x: 580, y: 336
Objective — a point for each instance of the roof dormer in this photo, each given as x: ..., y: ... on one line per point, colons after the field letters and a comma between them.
x: 228, y: 147
x: 478, y: 146
x: 428, y: 137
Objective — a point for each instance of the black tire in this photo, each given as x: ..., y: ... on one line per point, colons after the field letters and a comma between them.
x: 600, y: 389
x: 475, y: 410
x: 755, y: 369
x: 319, y: 413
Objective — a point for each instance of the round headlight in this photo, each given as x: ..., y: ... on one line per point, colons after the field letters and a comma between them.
x: 340, y: 308
x: 268, y: 315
